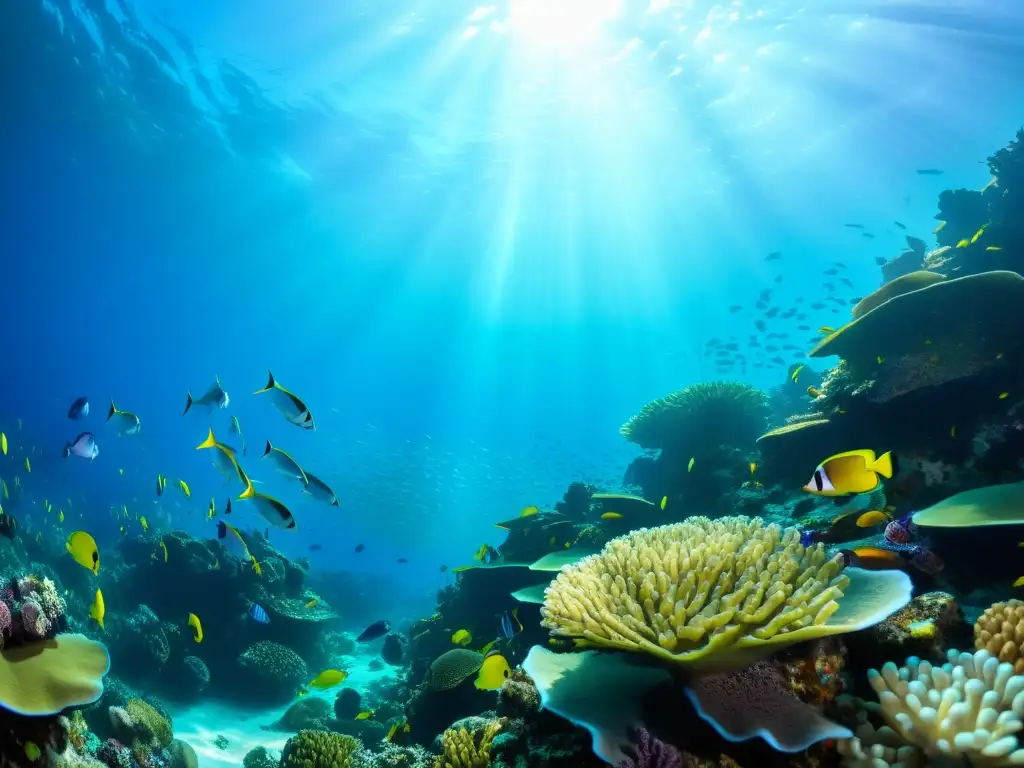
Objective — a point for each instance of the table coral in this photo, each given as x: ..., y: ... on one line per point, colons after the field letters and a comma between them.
x: 1000, y: 631
x: 47, y: 677
x: 706, y: 590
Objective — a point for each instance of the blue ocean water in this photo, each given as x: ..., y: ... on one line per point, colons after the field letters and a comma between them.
x: 475, y: 238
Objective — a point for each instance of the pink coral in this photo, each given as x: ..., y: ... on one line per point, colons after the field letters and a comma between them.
x: 34, y: 621
x: 5, y: 622
x: 650, y: 752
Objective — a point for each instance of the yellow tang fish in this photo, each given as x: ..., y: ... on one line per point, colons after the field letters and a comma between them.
x: 494, y: 672
x: 3, y: 442
x: 664, y: 502
x: 328, y: 679
x: 164, y: 548
x: 963, y: 243
x: 872, y: 518
x: 753, y: 467
x: 144, y: 524
x: 193, y: 621
x: 312, y: 603
x: 689, y: 466
x: 98, y: 609
x: 796, y: 373
x: 28, y: 465
x: 82, y: 547
x: 60, y: 515
x: 184, y: 489
x: 1003, y: 395
x: 850, y: 472
x: 529, y: 511
x: 365, y: 715
x: 462, y: 637
x: 611, y: 516
x: 978, y: 233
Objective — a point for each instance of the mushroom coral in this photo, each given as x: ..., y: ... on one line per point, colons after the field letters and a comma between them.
x: 45, y: 678
x: 704, y: 601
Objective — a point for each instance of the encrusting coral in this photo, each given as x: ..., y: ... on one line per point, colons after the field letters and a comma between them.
x: 727, y: 413
x: 704, y: 589
x: 969, y: 708
x: 464, y: 749
x: 1000, y: 631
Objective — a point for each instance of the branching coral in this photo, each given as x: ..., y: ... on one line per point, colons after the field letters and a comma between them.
x: 705, y: 590
x: 718, y: 413
x: 969, y: 708
x: 320, y: 749
x: 465, y: 749
x: 1000, y: 631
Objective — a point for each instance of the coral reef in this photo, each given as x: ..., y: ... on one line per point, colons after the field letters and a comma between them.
x: 272, y: 671
x: 649, y: 752
x: 462, y: 748
x: 320, y: 749
x: 1000, y: 631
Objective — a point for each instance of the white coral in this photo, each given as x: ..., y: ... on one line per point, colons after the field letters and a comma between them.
x: 970, y: 707
x: 882, y: 748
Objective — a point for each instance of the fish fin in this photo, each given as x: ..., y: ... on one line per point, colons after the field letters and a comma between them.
x: 113, y: 410
x: 249, y: 492
x: 209, y: 442
x: 268, y: 449
x: 188, y: 403
x: 67, y: 450
x: 270, y: 383
x: 883, y: 464
x: 335, y: 503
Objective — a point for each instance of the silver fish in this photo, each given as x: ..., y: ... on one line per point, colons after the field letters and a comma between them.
x: 320, y: 491
x: 83, y: 446
x: 214, y: 396
x: 285, y: 464
x: 126, y: 423
x: 237, y: 429
x: 288, y: 403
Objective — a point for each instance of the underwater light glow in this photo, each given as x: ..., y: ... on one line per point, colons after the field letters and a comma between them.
x: 562, y: 22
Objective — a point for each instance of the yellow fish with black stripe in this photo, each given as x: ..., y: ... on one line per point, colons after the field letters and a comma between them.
x: 849, y: 473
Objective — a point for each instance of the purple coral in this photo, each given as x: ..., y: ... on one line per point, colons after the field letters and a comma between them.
x: 650, y: 752
x: 5, y: 621
x: 34, y: 622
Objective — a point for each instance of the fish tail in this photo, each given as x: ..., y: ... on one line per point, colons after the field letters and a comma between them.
x: 67, y: 450
x: 335, y: 503
x: 112, y: 411
x: 883, y: 464
x: 270, y: 383
x: 249, y: 492
x: 188, y: 404
x: 209, y: 442
x: 268, y: 449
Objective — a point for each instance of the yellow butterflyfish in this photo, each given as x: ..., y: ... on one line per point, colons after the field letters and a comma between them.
x: 328, y: 679
x: 462, y: 637
x: 879, y: 359
x: 82, y: 547
x: 193, y: 621
x: 98, y: 609
x: 529, y: 511
x: 753, y: 467
x: 1003, y: 395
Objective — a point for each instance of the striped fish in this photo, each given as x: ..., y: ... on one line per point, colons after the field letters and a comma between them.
x: 258, y: 614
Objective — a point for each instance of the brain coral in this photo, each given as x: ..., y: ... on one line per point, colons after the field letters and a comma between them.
x: 1000, y: 631
x: 732, y: 587
x: 320, y: 749
x: 719, y: 413
x: 450, y: 669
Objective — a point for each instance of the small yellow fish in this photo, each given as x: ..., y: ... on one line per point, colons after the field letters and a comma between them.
x: 850, y: 472
x: 328, y: 679
x: 164, y: 548
x: 144, y: 524
x: 529, y: 511
x: 184, y: 489
x: 1003, y: 395
x: 462, y: 637
x: 978, y: 233
x: 28, y: 465
x: 123, y: 531
x: 938, y: 228
x: 994, y: 248
x: 302, y: 692
x: 365, y: 715
x: 32, y: 751
x: 871, y: 519
x: 98, y: 609
x: 216, y: 565
x: 991, y: 182
x: 689, y: 466
x: 193, y: 621
x: 664, y: 502
x: 256, y: 566
x: 391, y: 732
x: 60, y: 515
x: 879, y: 359
x: 486, y: 649
x: 312, y: 603
x: 753, y: 467
x: 952, y: 431
x: 814, y: 392
x: 1019, y: 582
x: 927, y: 342
x: 494, y: 672
x: 826, y: 329
x: 212, y: 510
x: 3, y: 487
x: 796, y: 373
x: 82, y: 547
x: 611, y: 516
x: 963, y: 243
x: 3, y: 442
x: 999, y: 356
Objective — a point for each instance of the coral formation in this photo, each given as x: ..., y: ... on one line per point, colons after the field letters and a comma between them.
x: 705, y: 589
x: 347, y: 703
x: 320, y: 749
x: 967, y: 708
x: 260, y: 757
x: 273, y: 671
x: 44, y: 678
x: 462, y: 748
x: 454, y: 667
x: 649, y: 752
x: 1000, y: 631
